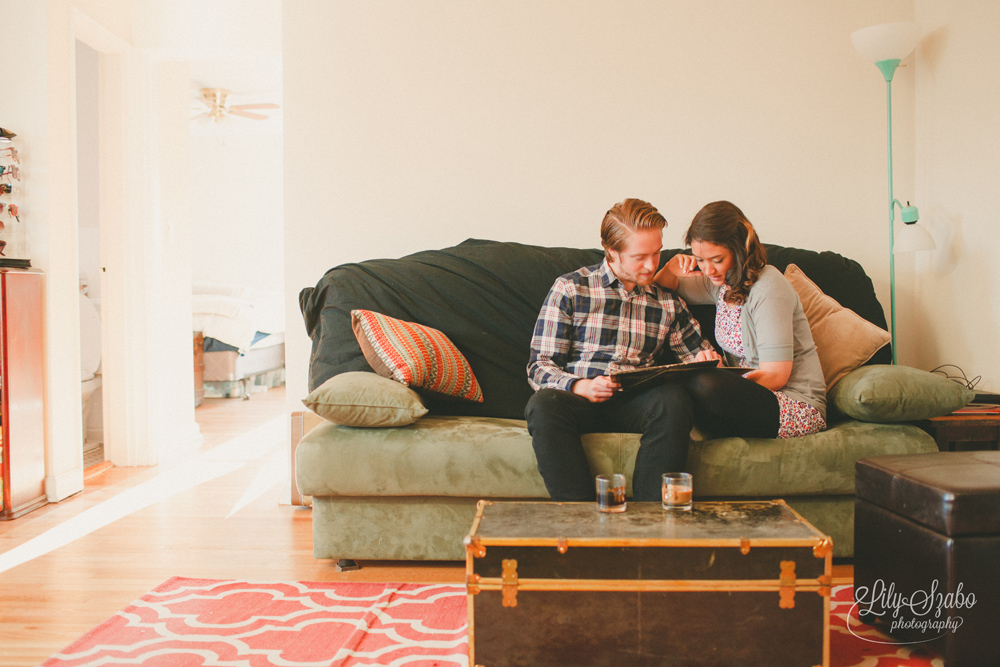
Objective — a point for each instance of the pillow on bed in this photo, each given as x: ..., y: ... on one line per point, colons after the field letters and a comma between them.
x: 365, y: 400
x: 415, y: 355
x: 844, y: 340
x: 897, y: 394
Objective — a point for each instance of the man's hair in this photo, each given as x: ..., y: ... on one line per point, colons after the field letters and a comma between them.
x: 723, y: 224
x: 626, y: 217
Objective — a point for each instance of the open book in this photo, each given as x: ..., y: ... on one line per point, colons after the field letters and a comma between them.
x: 652, y: 376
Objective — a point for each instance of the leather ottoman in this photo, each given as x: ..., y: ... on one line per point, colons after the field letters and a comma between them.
x: 927, y: 549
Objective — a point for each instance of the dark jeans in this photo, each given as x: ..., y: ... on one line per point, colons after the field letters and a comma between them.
x: 728, y: 405
x: 557, y: 419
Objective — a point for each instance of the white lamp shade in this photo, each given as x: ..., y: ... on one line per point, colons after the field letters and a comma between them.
x: 886, y: 41
x: 912, y: 238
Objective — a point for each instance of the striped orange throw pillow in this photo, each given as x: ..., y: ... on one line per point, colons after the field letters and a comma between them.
x: 414, y: 355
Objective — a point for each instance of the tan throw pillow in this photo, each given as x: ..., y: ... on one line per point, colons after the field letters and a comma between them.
x: 844, y: 340
x: 365, y: 400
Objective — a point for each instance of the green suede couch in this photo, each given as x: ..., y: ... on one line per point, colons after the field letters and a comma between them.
x: 410, y: 492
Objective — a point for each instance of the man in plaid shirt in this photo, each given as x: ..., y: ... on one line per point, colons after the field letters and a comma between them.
x: 601, y: 319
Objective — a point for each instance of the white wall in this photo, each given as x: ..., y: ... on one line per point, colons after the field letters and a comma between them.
x: 24, y: 110
x: 171, y: 352
x: 957, y: 290
x: 88, y: 167
x: 237, y: 208
x: 416, y: 125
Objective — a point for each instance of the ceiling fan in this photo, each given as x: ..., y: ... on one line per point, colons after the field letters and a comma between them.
x: 215, y: 100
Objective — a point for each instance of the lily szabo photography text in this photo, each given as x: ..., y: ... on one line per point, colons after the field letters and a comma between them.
x: 921, y: 610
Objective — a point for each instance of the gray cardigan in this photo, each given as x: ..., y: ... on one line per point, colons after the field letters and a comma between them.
x: 764, y: 322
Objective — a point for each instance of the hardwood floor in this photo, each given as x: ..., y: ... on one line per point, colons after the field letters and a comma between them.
x: 183, y: 518
x: 214, y: 513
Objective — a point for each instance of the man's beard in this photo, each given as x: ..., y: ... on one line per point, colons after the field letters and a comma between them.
x: 641, y: 281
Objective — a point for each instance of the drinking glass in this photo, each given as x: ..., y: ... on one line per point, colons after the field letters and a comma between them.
x: 678, y: 487
x: 611, y: 493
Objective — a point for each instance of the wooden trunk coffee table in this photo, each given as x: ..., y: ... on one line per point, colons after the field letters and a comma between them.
x: 727, y: 583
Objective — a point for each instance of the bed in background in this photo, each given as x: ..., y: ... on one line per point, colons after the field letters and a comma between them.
x: 244, y: 339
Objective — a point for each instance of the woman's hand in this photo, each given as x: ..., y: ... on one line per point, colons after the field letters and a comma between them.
x: 708, y: 355
x: 678, y: 266
x: 684, y: 265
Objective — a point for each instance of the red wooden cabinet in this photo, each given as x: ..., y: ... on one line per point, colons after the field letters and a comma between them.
x: 22, y: 456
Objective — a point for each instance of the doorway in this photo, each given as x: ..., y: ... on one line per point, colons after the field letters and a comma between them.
x: 89, y: 244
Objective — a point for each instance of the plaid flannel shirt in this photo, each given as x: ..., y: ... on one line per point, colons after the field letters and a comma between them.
x: 590, y: 325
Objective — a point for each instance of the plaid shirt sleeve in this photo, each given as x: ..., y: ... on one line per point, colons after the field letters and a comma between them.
x: 550, y: 343
x: 684, y: 338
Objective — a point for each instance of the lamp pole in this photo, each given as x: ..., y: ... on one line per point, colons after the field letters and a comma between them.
x: 888, y: 68
x: 885, y: 45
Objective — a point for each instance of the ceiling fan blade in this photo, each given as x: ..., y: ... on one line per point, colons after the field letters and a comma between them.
x: 254, y: 106
x: 201, y: 115
x: 247, y: 114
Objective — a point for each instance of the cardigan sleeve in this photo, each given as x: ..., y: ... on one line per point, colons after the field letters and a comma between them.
x: 770, y: 307
x: 697, y: 289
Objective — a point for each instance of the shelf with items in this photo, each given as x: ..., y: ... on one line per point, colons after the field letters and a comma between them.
x: 13, y: 250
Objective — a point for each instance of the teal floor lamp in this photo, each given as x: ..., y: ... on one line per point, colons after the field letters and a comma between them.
x: 886, y: 45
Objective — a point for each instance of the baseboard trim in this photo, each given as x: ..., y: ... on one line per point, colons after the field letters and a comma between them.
x: 62, y: 486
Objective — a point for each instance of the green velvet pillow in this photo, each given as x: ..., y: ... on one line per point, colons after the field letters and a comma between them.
x: 365, y: 400
x: 896, y: 394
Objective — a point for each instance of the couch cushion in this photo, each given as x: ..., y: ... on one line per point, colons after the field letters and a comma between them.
x: 486, y: 457
x: 365, y: 400
x: 897, y: 394
x: 485, y: 296
x: 368, y: 527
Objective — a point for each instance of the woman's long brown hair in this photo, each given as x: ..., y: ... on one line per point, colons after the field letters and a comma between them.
x: 724, y: 224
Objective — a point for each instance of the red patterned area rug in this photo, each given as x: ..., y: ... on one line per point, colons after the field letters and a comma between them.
x: 199, y: 623
x: 854, y: 644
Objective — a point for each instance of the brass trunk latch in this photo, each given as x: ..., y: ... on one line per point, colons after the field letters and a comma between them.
x: 787, y: 580
x: 824, y: 582
x: 561, y: 545
x: 744, y: 546
x: 824, y: 547
x: 472, y: 584
x: 508, y: 582
x: 477, y: 548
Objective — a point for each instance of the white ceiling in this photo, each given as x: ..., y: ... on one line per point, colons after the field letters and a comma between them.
x: 235, y: 45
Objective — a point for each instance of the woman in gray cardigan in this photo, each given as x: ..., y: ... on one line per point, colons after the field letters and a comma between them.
x: 759, y: 324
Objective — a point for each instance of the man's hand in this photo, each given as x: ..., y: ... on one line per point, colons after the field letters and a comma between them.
x: 596, y: 390
x: 707, y: 355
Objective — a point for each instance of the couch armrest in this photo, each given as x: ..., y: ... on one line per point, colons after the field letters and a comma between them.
x: 302, y: 422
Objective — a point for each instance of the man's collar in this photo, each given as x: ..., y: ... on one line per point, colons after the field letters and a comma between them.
x: 608, y: 278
